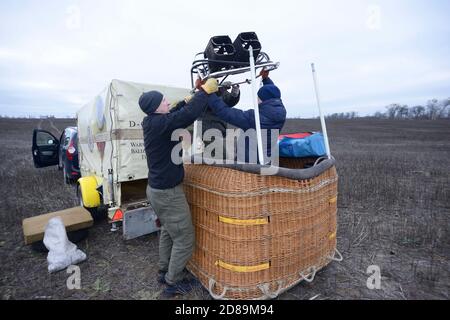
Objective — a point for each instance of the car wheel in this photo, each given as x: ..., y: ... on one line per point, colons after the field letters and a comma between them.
x: 98, y: 213
x: 73, y: 236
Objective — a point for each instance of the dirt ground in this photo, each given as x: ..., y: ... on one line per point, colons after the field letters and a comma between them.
x: 393, y: 212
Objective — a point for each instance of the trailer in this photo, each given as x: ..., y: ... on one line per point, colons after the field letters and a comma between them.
x: 113, y: 163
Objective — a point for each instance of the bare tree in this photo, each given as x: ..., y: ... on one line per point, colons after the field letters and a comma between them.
x: 444, y: 107
x: 433, y: 109
x: 392, y: 110
x: 417, y: 112
x: 402, y: 112
x: 380, y: 115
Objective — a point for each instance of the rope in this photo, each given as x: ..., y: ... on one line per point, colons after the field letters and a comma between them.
x: 318, y: 160
x: 212, y: 282
x: 266, y: 287
x: 310, y: 277
x: 333, y: 258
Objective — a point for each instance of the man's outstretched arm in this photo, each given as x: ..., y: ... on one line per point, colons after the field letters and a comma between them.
x: 241, y: 119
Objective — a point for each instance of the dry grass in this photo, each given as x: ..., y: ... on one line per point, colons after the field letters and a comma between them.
x: 394, y: 208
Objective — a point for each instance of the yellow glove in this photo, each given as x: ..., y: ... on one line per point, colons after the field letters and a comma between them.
x: 211, y: 85
x: 173, y: 105
x: 188, y: 98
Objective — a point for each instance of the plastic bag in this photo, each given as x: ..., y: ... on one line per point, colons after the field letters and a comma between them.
x: 61, y: 252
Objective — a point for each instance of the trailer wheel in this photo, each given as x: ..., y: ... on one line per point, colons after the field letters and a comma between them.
x: 74, y: 236
x: 98, y: 213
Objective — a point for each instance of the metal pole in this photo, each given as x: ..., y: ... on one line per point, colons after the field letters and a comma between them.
x: 322, y: 119
x: 197, y: 134
x: 255, y: 107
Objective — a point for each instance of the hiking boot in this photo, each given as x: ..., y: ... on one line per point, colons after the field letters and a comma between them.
x: 179, y: 288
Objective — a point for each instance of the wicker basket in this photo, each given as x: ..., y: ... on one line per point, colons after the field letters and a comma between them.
x: 257, y: 236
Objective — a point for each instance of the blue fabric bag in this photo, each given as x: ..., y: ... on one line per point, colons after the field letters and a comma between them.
x: 302, y: 145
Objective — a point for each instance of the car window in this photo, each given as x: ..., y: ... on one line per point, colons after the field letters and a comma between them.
x: 44, y: 139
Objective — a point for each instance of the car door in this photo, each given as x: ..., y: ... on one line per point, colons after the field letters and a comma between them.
x: 45, y: 149
x: 61, y: 145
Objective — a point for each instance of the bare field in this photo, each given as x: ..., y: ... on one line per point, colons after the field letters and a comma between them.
x: 393, y: 212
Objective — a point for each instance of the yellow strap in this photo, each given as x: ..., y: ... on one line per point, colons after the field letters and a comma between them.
x: 240, y: 222
x: 333, y: 200
x: 242, y: 268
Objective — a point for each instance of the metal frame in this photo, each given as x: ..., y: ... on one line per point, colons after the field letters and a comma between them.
x: 255, y: 107
x: 322, y: 118
x: 200, y: 68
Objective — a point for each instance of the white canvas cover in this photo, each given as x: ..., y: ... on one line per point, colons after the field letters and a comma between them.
x: 110, y: 131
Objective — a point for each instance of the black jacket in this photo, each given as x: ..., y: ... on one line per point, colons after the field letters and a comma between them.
x: 158, y: 128
x: 211, y: 121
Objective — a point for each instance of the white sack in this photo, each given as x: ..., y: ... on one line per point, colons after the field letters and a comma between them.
x: 61, y: 252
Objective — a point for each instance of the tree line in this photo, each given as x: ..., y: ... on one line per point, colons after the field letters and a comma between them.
x: 434, y: 109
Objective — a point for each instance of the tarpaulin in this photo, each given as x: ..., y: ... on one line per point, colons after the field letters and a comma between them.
x: 302, y: 145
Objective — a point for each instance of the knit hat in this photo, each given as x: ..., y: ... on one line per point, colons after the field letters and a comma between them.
x: 269, y: 91
x: 150, y: 101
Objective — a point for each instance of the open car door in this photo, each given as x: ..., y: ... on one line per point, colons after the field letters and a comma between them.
x: 45, y: 149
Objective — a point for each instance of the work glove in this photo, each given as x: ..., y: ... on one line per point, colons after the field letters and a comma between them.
x: 235, y: 90
x: 188, y: 98
x: 211, y: 86
x: 264, y: 74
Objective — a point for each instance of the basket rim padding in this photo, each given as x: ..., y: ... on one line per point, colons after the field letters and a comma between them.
x: 289, y: 173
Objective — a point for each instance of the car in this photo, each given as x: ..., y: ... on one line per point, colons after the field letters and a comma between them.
x: 48, y: 151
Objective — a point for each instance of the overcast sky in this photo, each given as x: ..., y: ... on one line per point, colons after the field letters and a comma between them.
x: 57, y: 55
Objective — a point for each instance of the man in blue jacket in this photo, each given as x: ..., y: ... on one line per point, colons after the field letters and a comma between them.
x: 165, y: 190
x: 272, y: 116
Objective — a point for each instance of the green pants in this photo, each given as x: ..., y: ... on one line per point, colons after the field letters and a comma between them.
x: 177, y: 237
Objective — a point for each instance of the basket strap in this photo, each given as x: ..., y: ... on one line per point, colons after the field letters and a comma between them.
x: 265, y: 289
x: 339, y: 258
x: 235, y: 268
x: 310, y: 276
x: 246, y: 222
x: 212, y: 282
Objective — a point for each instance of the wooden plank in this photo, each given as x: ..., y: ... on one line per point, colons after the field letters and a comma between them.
x: 74, y: 219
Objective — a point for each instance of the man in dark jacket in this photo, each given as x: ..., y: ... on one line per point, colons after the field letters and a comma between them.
x: 210, y: 121
x: 272, y: 116
x: 165, y: 190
